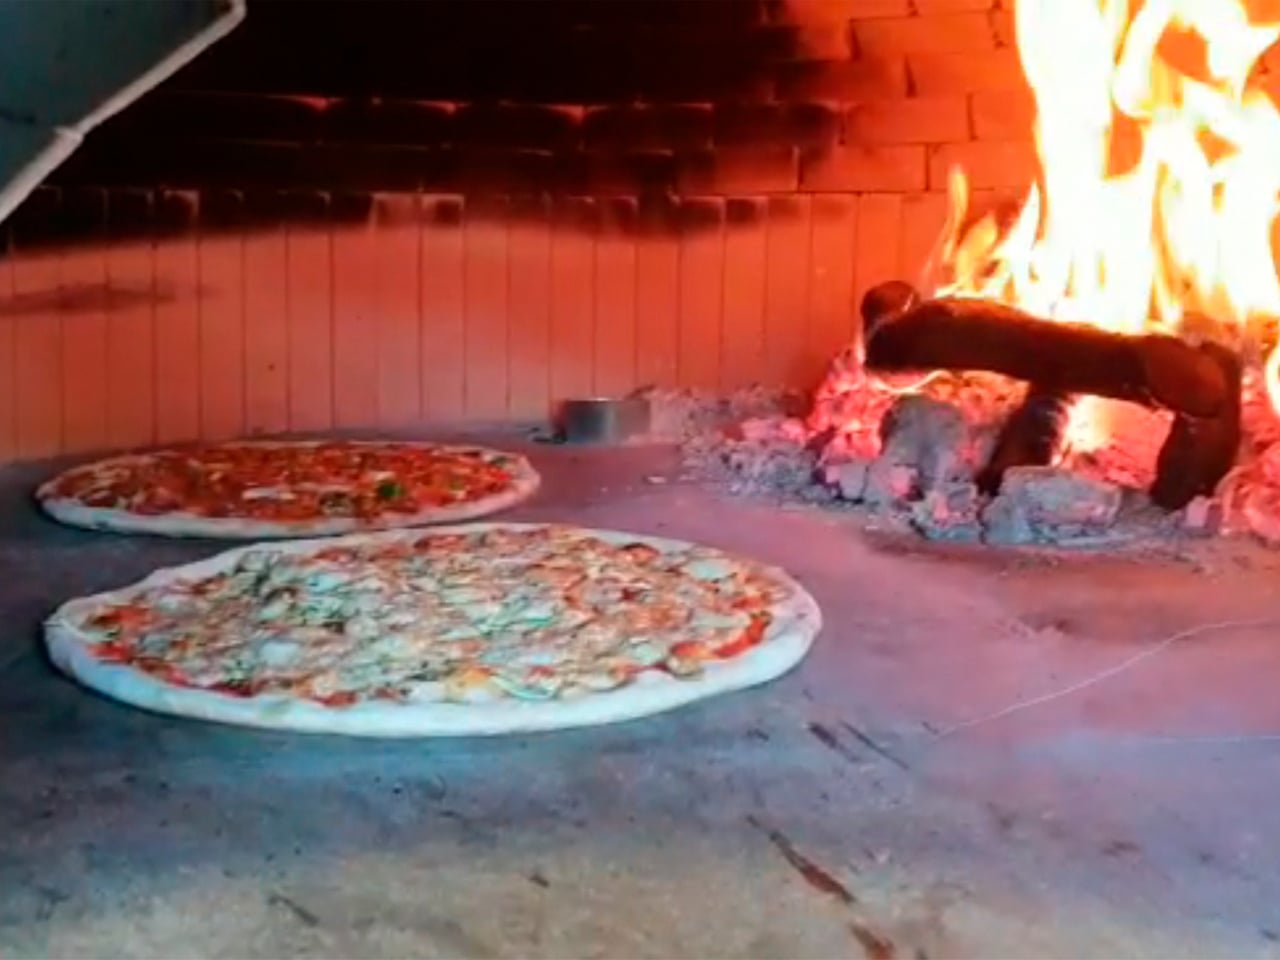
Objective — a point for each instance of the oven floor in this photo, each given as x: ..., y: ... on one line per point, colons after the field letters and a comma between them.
x: 819, y: 816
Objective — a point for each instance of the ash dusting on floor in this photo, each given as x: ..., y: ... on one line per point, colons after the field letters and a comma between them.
x: 904, y: 454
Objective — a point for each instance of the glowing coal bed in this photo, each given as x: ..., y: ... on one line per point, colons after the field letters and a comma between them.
x: 910, y: 452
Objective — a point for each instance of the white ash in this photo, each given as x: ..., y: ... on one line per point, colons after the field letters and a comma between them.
x: 760, y: 457
x: 750, y: 440
x: 1050, y: 505
x: 679, y: 415
x: 952, y: 511
x: 906, y: 451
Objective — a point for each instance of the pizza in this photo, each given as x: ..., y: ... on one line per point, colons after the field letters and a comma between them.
x: 474, y: 629
x: 283, y: 489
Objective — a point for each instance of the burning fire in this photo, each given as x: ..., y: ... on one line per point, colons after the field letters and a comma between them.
x: 1159, y: 182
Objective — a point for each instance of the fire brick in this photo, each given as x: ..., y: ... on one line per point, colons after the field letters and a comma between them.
x: 618, y: 215
x: 443, y: 211
x: 82, y: 213
x: 658, y: 215
x: 801, y: 124
x: 390, y: 121
x: 186, y: 162
x: 700, y: 213
x: 812, y: 11
x: 576, y: 213
x: 517, y: 126
x: 950, y: 73
x: 991, y: 163
x: 350, y: 207
x: 942, y: 33
x: 864, y: 169
x: 221, y: 116
x: 1003, y: 114
x: 727, y: 170
x: 176, y: 211
x: 847, y: 81
x: 745, y: 211
x: 482, y: 169
x: 700, y: 76
x: 670, y: 127
x: 623, y: 173
x: 812, y: 41
x: 955, y: 6
x: 371, y: 167
x: 909, y: 120
x: 129, y: 213
x: 635, y: 172
x: 221, y: 209
x: 304, y: 206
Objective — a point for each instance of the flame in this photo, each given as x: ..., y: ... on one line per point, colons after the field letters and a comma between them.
x: 1159, y: 182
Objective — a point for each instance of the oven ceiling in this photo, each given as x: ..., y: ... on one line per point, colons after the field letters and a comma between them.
x: 71, y: 64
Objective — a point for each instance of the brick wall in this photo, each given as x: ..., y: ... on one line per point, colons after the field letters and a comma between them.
x: 354, y: 214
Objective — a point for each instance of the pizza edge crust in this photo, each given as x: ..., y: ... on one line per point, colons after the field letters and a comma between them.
x: 72, y: 512
x: 797, y: 620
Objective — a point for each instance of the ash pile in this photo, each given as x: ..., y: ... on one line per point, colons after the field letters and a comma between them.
x: 987, y: 454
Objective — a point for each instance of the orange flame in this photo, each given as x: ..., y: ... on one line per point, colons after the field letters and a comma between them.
x: 1159, y: 179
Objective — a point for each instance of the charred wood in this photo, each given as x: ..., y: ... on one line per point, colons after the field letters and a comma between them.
x: 1029, y: 437
x: 1064, y: 358
x: 1200, y: 384
x: 885, y: 300
x: 1199, y: 451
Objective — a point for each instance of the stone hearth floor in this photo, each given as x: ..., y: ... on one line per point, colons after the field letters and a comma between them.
x: 820, y: 816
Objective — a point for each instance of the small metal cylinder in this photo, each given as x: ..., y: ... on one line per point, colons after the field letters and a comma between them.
x: 602, y: 419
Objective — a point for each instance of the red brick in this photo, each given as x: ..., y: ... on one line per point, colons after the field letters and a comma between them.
x: 1003, y: 114
x: 942, y: 33
x: 847, y: 81
x: 991, y: 163
x: 818, y: 41
x: 817, y: 11
x: 936, y: 73
x: 797, y: 124
x: 517, y: 126
x: 912, y: 120
x: 864, y: 169
x: 389, y: 121
x: 955, y: 6
x: 629, y: 173
x: 675, y: 126
x: 740, y: 170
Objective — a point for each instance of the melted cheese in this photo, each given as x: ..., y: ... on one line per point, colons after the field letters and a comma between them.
x: 530, y: 614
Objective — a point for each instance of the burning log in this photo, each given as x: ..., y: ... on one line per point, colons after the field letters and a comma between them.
x: 1199, y: 384
x: 1029, y: 438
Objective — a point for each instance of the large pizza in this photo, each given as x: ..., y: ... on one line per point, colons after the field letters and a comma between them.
x: 275, y: 489
x: 476, y: 629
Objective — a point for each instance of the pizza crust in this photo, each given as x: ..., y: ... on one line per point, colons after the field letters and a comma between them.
x: 72, y: 512
x: 796, y: 622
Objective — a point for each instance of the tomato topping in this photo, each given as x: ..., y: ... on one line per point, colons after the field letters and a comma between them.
x: 343, y: 698
x: 750, y: 637
x: 113, y: 651
x: 237, y: 688
x: 689, y: 650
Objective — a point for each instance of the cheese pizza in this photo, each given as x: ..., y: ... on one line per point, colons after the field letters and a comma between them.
x: 275, y: 489
x: 476, y: 629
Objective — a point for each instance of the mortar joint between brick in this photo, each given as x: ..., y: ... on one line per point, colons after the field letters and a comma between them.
x: 971, y: 122
x: 997, y: 41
